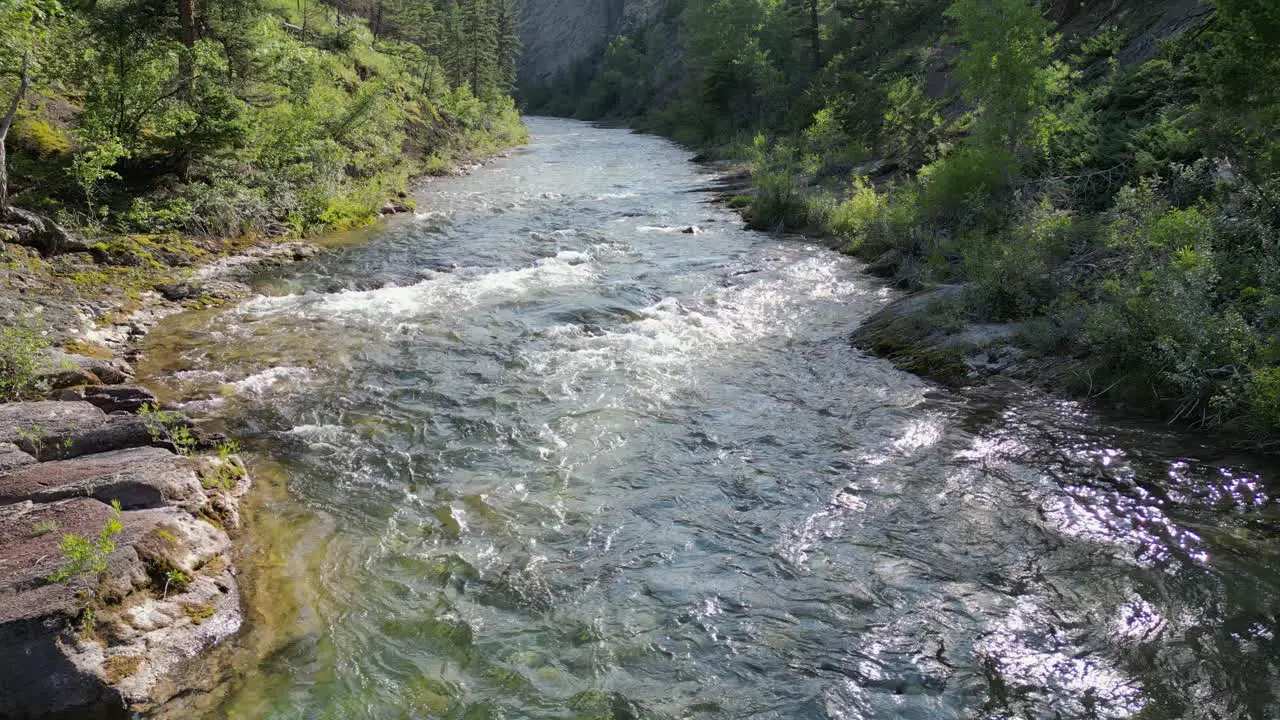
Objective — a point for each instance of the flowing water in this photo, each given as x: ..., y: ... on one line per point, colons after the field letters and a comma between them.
x: 542, y: 455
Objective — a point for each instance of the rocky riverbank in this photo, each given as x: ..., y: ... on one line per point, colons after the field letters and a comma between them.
x: 117, y: 519
x: 115, y: 549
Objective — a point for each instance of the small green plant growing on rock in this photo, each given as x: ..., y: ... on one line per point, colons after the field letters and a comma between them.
x: 228, y: 471
x: 44, y: 527
x: 178, y: 579
x: 88, y: 557
x: 32, y: 437
x: 170, y: 427
x: 36, y: 441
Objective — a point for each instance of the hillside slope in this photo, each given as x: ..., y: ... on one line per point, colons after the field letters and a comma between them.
x: 1099, y: 178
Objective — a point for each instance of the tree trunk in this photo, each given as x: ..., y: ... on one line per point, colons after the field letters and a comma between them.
x: 815, y: 34
x: 24, y: 82
x: 187, y: 30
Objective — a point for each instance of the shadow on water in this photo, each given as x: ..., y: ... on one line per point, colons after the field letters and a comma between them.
x: 533, y: 453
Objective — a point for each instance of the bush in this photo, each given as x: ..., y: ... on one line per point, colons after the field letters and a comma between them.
x: 870, y: 222
x: 20, y: 349
x: 1262, y: 419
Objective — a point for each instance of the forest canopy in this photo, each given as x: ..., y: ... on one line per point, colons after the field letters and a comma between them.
x: 226, y: 117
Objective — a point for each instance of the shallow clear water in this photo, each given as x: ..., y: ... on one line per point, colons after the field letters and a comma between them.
x: 542, y: 455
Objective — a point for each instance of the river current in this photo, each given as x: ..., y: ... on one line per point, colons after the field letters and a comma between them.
x: 535, y: 452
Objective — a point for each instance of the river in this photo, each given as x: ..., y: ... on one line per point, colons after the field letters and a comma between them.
x: 537, y: 453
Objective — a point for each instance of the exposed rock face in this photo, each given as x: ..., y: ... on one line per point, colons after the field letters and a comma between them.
x: 109, y: 398
x: 22, y: 227
x: 228, y: 278
x: 555, y: 33
x: 111, y: 643
x: 61, y: 430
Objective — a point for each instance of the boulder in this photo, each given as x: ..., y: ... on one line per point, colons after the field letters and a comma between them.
x: 52, y: 430
x: 59, y: 378
x: 27, y: 423
x: 40, y: 680
x: 63, y: 370
x: 23, y: 227
x: 117, y: 433
x: 111, y: 371
x: 145, y: 477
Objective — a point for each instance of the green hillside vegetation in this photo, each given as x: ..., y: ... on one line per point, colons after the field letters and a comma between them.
x: 1117, y: 198
x: 235, y: 118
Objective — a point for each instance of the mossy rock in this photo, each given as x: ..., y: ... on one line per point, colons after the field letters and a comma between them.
x: 914, y: 334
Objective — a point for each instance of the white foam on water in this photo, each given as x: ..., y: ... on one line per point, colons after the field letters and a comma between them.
x: 659, y: 351
x: 271, y: 379
x: 329, y: 435
x: 444, y: 291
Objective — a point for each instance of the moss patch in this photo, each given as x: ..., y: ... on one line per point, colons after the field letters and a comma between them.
x: 197, y: 611
x: 119, y: 667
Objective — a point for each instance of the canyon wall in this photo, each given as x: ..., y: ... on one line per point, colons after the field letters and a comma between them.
x: 558, y: 32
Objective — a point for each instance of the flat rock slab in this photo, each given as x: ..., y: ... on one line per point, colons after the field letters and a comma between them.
x: 144, y: 477
x: 109, y: 398
x: 52, y: 430
x: 11, y: 457
x: 23, y: 421
x: 29, y: 554
x: 51, y: 670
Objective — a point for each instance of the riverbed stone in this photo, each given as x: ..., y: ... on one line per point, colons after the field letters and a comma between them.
x: 145, y: 477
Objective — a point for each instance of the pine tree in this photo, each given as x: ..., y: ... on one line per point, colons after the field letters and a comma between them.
x: 507, y: 42
x: 480, y: 46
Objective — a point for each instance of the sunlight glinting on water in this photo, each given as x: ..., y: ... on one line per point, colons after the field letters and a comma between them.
x: 546, y: 453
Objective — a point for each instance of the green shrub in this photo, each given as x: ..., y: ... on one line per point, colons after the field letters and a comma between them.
x: 20, y: 350
x: 84, y: 556
x: 1012, y: 271
x: 870, y: 222
x: 1262, y: 418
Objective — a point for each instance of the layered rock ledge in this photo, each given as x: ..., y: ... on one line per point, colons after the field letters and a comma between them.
x: 125, y: 629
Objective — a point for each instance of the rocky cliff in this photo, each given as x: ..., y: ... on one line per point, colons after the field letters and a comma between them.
x: 558, y: 32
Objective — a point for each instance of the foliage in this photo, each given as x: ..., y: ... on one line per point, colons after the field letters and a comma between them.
x: 88, y: 556
x: 228, y: 470
x: 44, y: 527
x: 177, y: 579
x: 1119, y: 203
x: 267, y: 117
x: 168, y: 427
x: 20, y: 350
